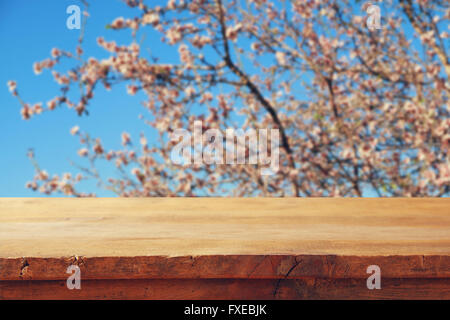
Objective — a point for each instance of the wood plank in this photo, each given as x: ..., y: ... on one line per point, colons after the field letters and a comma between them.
x: 226, y: 266
x: 228, y: 289
x: 183, y: 227
x: 310, y: 248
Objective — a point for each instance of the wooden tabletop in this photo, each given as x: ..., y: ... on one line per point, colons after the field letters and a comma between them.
x: 219, y: 226
x: 224, y: 248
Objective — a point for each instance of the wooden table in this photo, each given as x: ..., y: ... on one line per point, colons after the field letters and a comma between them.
x: 233, y: 248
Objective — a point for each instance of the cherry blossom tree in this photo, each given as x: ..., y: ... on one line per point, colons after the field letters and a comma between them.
x: 358, y: 109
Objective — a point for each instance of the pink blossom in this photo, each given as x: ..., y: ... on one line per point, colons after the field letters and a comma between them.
x: 12, y: 85
x: 444, y: 174
x: 135, y: 171
x: 75, y: 130
x: 83, y: 152
x: 37, y: 108
x: 232, y: 33
x: 189, y: 91
x: 26, y: 112
x: 281, y: 58
x: 126, y: 139
x: 43, y: 175
x: 150, y: 18
x: 118, y: 23
x: 132, y: 89
x: 55, y: 52
x: 37, y: 67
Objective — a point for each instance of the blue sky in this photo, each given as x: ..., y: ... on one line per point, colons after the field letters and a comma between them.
x: 28, y: 31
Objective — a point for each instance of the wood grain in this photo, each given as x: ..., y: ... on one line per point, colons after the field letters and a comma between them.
x: 228, y: 289
x: 181, y: 227
x: 244, y: 243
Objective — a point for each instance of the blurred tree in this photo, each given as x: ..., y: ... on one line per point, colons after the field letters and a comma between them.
x: 357, y: 108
